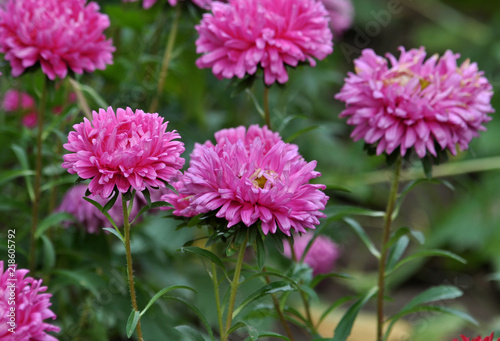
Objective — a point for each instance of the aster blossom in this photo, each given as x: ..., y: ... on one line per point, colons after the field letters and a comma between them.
x: 31, y: 307
x: 478, y: 338
x: 89, y: 216
x: 416, y: 103
x: 14, y: 100
x: 127, y: 150
x: 321, y: 256
x: 60, y: 35
x: 251, y: 176
x: 341, y: 15
x: 240, y: 36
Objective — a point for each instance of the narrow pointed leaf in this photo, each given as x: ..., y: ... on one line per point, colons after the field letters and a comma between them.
x: 132, y: 321
x: 363, y: 236
x: 396, y: 252
x: 344, y: 327
x: 115, y: 232
x: 163, y: 292
x: 205, y: 254
x: 198, y: 313
x: 52, y: 220
x: 427, y: 253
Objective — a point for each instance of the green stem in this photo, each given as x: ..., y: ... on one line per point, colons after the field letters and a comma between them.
x: 383, y: 257
x: 277, y: 307
x: 267, y: 116
x: 234, y: 288
x: 130, y: 270
x: 38, y: 175
x: 167, y: 56
x: 310, y: 322
x: 217, y: 299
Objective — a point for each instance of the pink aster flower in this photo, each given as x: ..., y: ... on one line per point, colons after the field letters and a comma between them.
x: 126, y: 149
x: 240, y: 36
x: 89, y: 216
x: 30, y: 120
x: 251, y: 176
x: 488, y: 338
x: 321, y: 256
x: 58, y: 34
x: 31, y: 305
x: 14, y: 100
x: 416, y: 103
x: 341, y: 15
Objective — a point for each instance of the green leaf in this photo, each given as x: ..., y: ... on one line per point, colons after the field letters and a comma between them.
x: 51, y: 220
x: 273, y: 335
x: 253, y: 333
x: 268, y: 289
x: 49, y: 253
x: 147, y: 195
x: 430, y: 308
x: 206, y: 254
x: 301, y: 132
x: 12, y: 174
x: 438, y: 293
x: 363, y: 236
x: 80, y: 278
x: 197, y: 312
x: 163, y: 292
x: 396, y: 252
x: 151, y: 206
x: 343, y: 329
x: 338, y: 212
x: 196, y: 220
x: 402, y: 231
x: 132, y: 321
x: 427, y: 253
x: 115, y: 232
x: 100, y: 208
x: 111, y: 202
x: 319, y: 278
x: 494, y: 277
x: 193, y: 334
x: 261, y: 251
x: 23, y: 160
x: 333, y: 306
x: 70, y: 179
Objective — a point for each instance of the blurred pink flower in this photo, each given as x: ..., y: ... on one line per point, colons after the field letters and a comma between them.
x: 251, y: 176
x: 126, y: 149
x: 88, y: 215
x: 341, y: 15
x: 238, y: 37
x: 30, y: 120
x: 31, y: 307
x: 488, y: 338
x: 14, y: 100
x: 415, y: 103
x: 58, y: 34
x: 321, y: 256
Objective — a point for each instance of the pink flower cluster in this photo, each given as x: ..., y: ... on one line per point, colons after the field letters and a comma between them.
x: 31, y: 306
x: 416, y: 103
x: 126, y: 149
x: 251, y: 176
x: 88, y: 215
x: 488, y: 338
x: 240, y: 36
x: 15, y: 101
x: 58, y: 34
x: 321, y: 256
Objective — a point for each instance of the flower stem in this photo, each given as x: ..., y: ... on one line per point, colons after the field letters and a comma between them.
x: 266, y: 107
x: 167, y: 56
x: 217, y: 298
x: 234, y: 288
x: 383, y: 257
x: 38, y: 175
x: 130, y: 270
x: 303, y: 295
x: 277, y: 307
